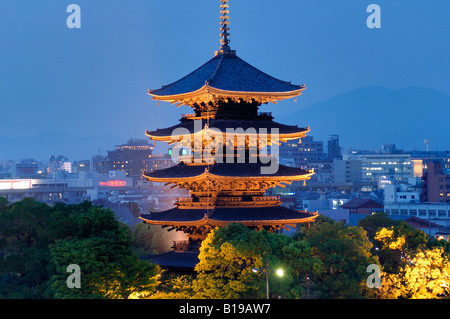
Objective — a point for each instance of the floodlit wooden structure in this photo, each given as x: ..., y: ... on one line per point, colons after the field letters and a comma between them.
x: 227, y: 170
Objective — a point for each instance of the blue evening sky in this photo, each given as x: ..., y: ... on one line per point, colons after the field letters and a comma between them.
x: 94, y: 80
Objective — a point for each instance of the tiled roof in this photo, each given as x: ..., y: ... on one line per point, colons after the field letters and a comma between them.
x: 229, y: 73
x: 182, y: 170
x: 235, y: 214
x: 223, y: 125
x: 361, y: 203
x: 176, y: 260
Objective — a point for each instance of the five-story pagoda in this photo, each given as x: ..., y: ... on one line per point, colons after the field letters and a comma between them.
x: 228, y: 169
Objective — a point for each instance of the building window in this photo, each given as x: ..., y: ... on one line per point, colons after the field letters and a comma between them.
x: 432, y: 213
x: 403, y: 211
x: 395, y: 212
x: 442, y: 213
x: 422, y: 212
x: 413, y: 212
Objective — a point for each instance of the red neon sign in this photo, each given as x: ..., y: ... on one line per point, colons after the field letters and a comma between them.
x: 116, y: 183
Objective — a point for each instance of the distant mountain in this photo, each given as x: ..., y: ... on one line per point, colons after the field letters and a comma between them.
x: 369, y: 117
x: 41, y: 146
x: 364, y: 118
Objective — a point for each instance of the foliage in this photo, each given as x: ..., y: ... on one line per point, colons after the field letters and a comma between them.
x: 424, y: 275
x: 298, y: 255
x: 173, y: 286
x: 24, y: 249
x: 326, y: 260
x: 413, y: 269
x: 345, y: 253
x: 372, y: 223
x: 397, y: 243
x: 227, y: 257
x: 39, y: 242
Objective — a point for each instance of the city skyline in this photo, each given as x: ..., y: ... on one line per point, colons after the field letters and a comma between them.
x: 93, y: 81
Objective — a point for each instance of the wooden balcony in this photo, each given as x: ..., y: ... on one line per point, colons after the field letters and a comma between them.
x: 228, y: 201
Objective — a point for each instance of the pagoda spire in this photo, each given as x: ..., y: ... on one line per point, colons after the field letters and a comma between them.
x: 224, y: 25
x: 224, y: 29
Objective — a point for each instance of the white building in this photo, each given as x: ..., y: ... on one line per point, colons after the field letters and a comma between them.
x: 384, y: 168
x: 400, y: 193
x: 438, y: 213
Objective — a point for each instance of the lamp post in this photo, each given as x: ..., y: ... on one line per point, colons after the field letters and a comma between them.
x: 279, y: 272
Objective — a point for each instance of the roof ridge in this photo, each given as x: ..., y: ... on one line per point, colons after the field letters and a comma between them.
x: 217, y: 68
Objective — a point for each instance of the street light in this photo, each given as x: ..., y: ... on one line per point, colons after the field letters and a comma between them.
x: 279, y: 272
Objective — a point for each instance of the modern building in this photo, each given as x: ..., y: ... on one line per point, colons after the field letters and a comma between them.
x: 227, y: 184
x: 438, y: 213
x: 134, y: 158
x: 401, y: 193
x: 303, y: 152
x: 436, y: 184
x: 27, y: 168
x: 384, y: 168
x: 347, y: 171
x: 334, y: 150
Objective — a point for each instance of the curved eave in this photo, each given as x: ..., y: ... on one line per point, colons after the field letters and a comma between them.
x: 166, y: 138
x: 212, y: 177
x: 220, y: 223
x: 216, y: 93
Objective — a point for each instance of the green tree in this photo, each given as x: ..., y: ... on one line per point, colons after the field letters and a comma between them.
x: 233, y: 263
x: 227, y: 257
x: 24, y: 248
x: 173, y: 286
x: 396, y: 244
x: 372, y: 223
x: 100, y: 246
x: 345, y: 253
x: 298, y: 255
x: 425, y: 275
x: 39, y: 242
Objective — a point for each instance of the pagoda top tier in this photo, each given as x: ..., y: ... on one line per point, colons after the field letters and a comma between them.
x: 226, y: 77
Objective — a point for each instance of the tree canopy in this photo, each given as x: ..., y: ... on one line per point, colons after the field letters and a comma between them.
x: 326, y: 259
x: 39, y: 242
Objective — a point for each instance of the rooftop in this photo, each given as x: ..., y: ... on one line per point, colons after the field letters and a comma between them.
x: 227, y: 73
x: 223, y: 125
x: 219, y: 215
x: 183, y: 170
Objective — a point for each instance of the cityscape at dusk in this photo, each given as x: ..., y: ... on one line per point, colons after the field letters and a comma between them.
x: 224, y: 150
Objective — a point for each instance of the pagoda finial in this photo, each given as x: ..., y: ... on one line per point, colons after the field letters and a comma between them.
x: 224, y: 25
x: 224, y: 28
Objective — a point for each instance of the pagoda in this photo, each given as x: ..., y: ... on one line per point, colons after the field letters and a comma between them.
x: 227, y: 183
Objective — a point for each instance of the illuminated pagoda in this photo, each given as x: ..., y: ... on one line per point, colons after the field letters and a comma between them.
x: 227, y: 181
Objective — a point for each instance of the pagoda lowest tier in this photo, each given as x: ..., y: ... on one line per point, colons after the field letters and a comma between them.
x: 197, y: 223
